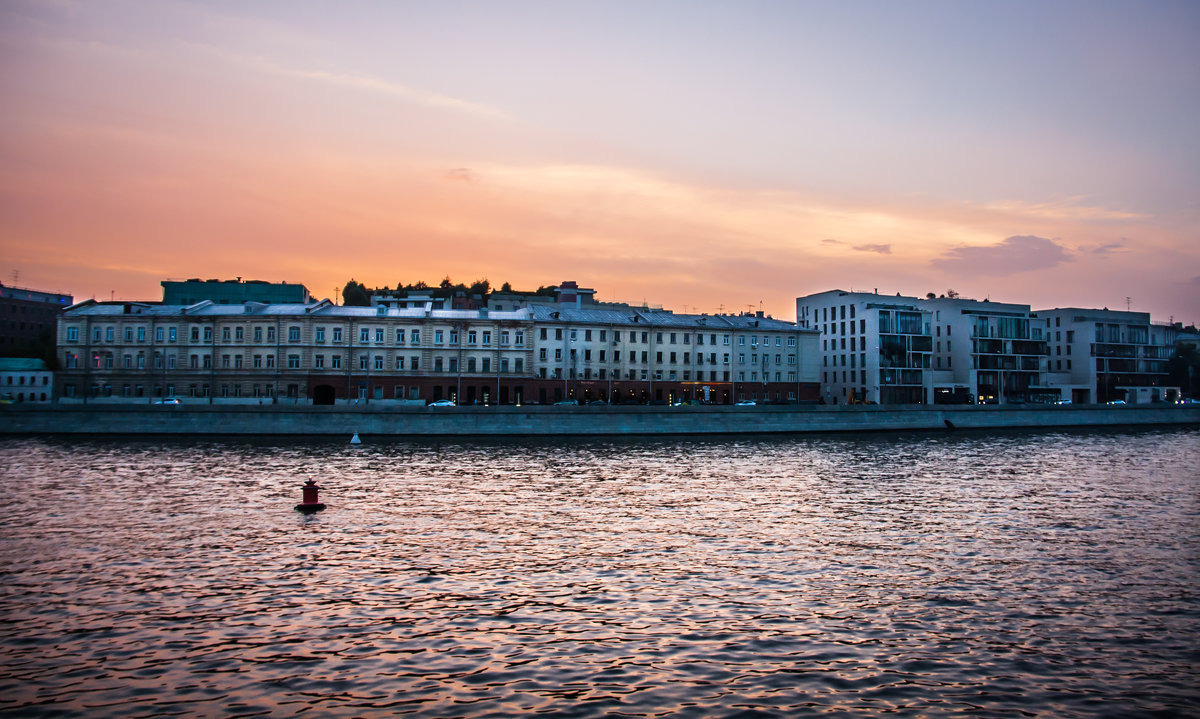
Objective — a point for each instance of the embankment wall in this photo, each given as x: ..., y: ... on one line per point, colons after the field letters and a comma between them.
x: 552, y: 420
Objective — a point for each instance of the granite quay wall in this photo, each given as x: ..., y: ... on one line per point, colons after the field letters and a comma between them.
x: 553, y: 420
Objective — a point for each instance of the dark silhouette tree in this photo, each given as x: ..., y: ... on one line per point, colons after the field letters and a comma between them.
x: 355, y: 294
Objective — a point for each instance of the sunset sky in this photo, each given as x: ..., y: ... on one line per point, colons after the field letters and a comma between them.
x: 699, y: 155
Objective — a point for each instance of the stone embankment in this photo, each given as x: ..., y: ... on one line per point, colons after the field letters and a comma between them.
x: 204, y: 419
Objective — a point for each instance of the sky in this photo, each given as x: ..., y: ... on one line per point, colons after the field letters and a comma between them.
x: 703, y: 156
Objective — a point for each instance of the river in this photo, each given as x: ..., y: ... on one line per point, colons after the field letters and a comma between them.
x: 923, y: 575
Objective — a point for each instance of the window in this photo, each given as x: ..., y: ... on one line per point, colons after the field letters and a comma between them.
x: 520, y: 338
x: 237, y: 361
x: 270, y: 334
x: 258, y: 334
x: 542, y: 333
x: 293, y: 361
x: 399, y: 362
x: 258, y: 363
x: 195, y: 334
x: 319, y: 362
x: 439, y: 337
x: 416, y: 362
x: 504, y: 339
x: 335, y: 361
x: 378, y: 362
x: 158, y: 334
x: 364, y: 361
x: 453, y: 337
x: 319, y: 334
x: 208, y: 334
x: 129, y: 334
x: 72, y: 334
x: 337, y: 334
x: 379, y: 335
x: 239, y: 334
x: 225, y: 362
x: 414, y: 336
x: 364, y: 336
x: 293, y: 334
x: 270, y: 361
x: 226, y: 334
x: 574, y: 335
x: 399, y: 337
x: 487, y: 338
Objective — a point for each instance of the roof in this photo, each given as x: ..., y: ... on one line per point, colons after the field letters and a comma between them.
x: 22, y: 364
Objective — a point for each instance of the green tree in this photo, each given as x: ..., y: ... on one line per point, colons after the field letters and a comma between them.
x: 355, y: 294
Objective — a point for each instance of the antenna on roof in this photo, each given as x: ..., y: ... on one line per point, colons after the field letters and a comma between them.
x: 1128, y: 304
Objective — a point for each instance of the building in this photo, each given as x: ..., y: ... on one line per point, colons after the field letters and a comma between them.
x: 28, y: 319
x: 1107, y: 355
x: 325, y: 353
x: 25, y: 380
x: 986, y: 352
x: 232, y: 292
x: 873, y: 348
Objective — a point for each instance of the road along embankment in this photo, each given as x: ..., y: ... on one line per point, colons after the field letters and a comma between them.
x: 204, y: 419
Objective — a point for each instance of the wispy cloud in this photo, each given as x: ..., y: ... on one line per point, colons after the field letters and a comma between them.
x: 365, y: 83
x: 1070, y: 208
x: 878, y: 249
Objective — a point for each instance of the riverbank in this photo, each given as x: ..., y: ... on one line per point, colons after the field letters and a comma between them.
x: 567, y: 421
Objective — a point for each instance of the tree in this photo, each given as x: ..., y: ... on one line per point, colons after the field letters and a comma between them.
x: 1183, y: 369
x: 931, y: 295
x: 506, y: 287
x: 480, y: 287
x: 356, y: 295
x: 952, y: 294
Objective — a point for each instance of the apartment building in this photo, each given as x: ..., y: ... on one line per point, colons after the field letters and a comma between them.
x: 1107, y: 355
x: 986, y: 352
x: 873, y: 348
x: 325, y: 353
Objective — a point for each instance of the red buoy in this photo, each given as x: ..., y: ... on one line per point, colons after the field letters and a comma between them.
x: 310, y: 502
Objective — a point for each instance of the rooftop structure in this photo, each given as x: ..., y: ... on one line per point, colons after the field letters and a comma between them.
x: 232, y: 292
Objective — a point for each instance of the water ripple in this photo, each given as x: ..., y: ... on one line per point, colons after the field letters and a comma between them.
x: 928, y: 575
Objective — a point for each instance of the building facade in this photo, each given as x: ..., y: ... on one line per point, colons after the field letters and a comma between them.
x: 986, y: 352
x: 25, y: 380
x: 873, y: 348
x: 325, y: 353
x: 27, y: 318
x: 1107, y: 355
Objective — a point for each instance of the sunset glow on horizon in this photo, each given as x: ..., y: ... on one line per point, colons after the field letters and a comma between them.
x: 704, y: 156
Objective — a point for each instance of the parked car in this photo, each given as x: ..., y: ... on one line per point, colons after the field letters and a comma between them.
x: 597, y: 402
x: 566, y: 402
x: 1062, y: 401
x: 1116, y: 401
x: 168, y: 400
x: 745, y: 403
x: 442, y: 403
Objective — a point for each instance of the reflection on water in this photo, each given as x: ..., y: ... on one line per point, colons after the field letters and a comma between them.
x: 925, y: 575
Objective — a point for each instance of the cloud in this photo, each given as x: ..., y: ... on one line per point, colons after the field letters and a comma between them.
x: 880, y: 249
x: 1108, y: 249
x: 364, y: 83
x: 1021, y: 253
x: 828, y: 241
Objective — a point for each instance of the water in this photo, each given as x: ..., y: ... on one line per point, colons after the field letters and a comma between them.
x: 1051, y: 574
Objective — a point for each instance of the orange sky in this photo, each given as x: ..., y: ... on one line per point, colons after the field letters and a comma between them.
x: 143, y: 141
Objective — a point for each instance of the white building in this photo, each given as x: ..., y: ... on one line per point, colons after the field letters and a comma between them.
x: 25, y: 380
x: 986, y: 352
x: 1105, y: 355
x: 874, y: 348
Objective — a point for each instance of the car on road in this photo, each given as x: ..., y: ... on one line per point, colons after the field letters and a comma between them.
x: 745, y: 403
x: 168, y: 400
x: 565, y: 403
x: 1116, y: 401
x: 1062, y: 401
x: 442, y: 403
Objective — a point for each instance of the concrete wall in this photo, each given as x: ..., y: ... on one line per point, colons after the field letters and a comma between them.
x: 543, y: 420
